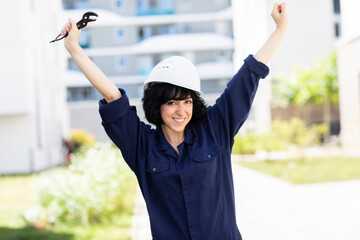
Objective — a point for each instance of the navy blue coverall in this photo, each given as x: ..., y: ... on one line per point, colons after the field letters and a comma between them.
x: 189, y: 196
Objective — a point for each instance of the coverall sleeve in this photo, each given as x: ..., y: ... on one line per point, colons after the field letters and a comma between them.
x: 124, y: 128
x: 232, y: 108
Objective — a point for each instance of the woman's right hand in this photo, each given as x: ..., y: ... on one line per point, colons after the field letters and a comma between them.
x: 72, y: 40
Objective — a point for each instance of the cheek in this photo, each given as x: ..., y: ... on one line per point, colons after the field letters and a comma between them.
x: 190, y: 110
x: 164, y: 110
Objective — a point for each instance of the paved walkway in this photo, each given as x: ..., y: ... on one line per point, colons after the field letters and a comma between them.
x: 271, y: 209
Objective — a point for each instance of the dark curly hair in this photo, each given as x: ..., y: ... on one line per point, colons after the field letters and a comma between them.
x: 159, y: 93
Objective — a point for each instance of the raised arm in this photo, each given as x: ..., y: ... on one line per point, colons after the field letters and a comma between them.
x: 279, y: 14
x: 96, y: 77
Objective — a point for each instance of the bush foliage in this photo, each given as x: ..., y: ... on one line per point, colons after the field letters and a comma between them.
x: 81, y: 139
x: 284, y: 134
x: 95, y: 187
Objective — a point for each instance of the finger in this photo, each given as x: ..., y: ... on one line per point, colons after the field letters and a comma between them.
x: 63, y: 30
x: 275, y: 8
x: 283, y: 7
x: 68, y: 26
x: 72, y: 24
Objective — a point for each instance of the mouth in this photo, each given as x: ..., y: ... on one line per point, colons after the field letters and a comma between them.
x: 179, y: 120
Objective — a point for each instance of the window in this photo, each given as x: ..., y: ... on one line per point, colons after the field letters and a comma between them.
x: 145, y: 64
x: 337, y: 29
x: 72, y: 65
x: 224, y: 56
x: 121, y: 64
x: 85, y: 93
x: 82, y: 4
x: 120, y: 35
x: 119, y: 4
x: 67, y: 4
x: 167, y: 5
x: 165, y: 30
x: 153, y: 3
x: 144, y: 32
x: 143, y: 5
x: 80, y: 94
x: 168, y: 29
x: 220, y: 3
x: 187, y: 29
x: 337, y: 8
x: 84, y: 38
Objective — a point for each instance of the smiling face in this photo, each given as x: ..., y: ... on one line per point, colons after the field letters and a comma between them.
x: 176, y: 114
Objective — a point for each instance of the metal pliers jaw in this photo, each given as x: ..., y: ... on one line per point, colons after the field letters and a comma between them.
x: 80, y: 24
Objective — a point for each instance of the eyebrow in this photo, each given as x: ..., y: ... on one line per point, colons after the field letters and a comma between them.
x: 175, y: 99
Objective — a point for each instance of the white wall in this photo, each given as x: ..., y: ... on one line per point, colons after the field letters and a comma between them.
x: 250, y: 22
x: 32, y: 94
x: 350, y: 19
x: 15, y: 136
x: 349, y: 76
x: 13, y: 58
x: 349, y: 94
x: 310, y: 35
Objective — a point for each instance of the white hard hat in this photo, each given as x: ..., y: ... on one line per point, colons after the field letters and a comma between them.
x: 175, y: 70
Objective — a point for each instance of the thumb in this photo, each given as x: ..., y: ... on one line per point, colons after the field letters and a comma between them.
x: 72, y: 24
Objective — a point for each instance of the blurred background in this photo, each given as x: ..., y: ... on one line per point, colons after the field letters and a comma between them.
x: 50, y: 129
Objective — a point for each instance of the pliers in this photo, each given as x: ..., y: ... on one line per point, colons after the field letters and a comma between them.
x: 80, y: 24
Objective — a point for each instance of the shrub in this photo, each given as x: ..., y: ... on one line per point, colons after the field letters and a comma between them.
x: 296, y: 132
x: 96, y: 186
x: 81, y: 139
x: 283, y: 135
x: 250, y: 143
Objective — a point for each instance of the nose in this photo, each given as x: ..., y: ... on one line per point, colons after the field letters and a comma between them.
x: 180, y: 109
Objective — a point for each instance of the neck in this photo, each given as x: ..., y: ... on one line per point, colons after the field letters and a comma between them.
x: 173, y: 138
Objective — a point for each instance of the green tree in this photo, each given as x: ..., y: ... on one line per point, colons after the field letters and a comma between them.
x: 312, y: 84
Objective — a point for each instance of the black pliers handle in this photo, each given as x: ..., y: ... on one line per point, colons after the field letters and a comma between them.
x: 80, y: 24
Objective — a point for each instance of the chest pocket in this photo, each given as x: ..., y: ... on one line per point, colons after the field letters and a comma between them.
x: 208, y: 165
x: 158, y: 176
x: 155, y: 166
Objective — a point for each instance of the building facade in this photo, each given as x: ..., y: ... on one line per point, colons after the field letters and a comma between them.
x: 130, y: 37
x: 33, y: 116
x: 349, y: 77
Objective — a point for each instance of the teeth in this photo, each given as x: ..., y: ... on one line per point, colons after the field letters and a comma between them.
x: 179, y: 120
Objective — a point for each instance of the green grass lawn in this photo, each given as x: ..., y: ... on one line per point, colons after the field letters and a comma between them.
x: 310, y: 170
x: 17, y: 195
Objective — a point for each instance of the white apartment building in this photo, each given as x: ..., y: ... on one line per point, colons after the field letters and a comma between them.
x: 130, y: 37
x: 349, y: 77
x: 33, y: 119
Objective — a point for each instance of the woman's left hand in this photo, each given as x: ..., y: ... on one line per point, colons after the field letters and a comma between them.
x: 279, y: 14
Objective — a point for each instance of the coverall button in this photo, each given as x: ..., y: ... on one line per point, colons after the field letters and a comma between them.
x: 154, y: 169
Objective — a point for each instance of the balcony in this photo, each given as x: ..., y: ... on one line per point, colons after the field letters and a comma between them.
x: 155, y: 7
x: 155, y: 11
x: 169, y: 44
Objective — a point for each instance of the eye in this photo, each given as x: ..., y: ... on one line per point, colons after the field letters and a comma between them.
x: 189, y: 101
x: 170, y: 102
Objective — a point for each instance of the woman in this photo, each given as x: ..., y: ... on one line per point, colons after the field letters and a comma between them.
x: 183, y: 166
